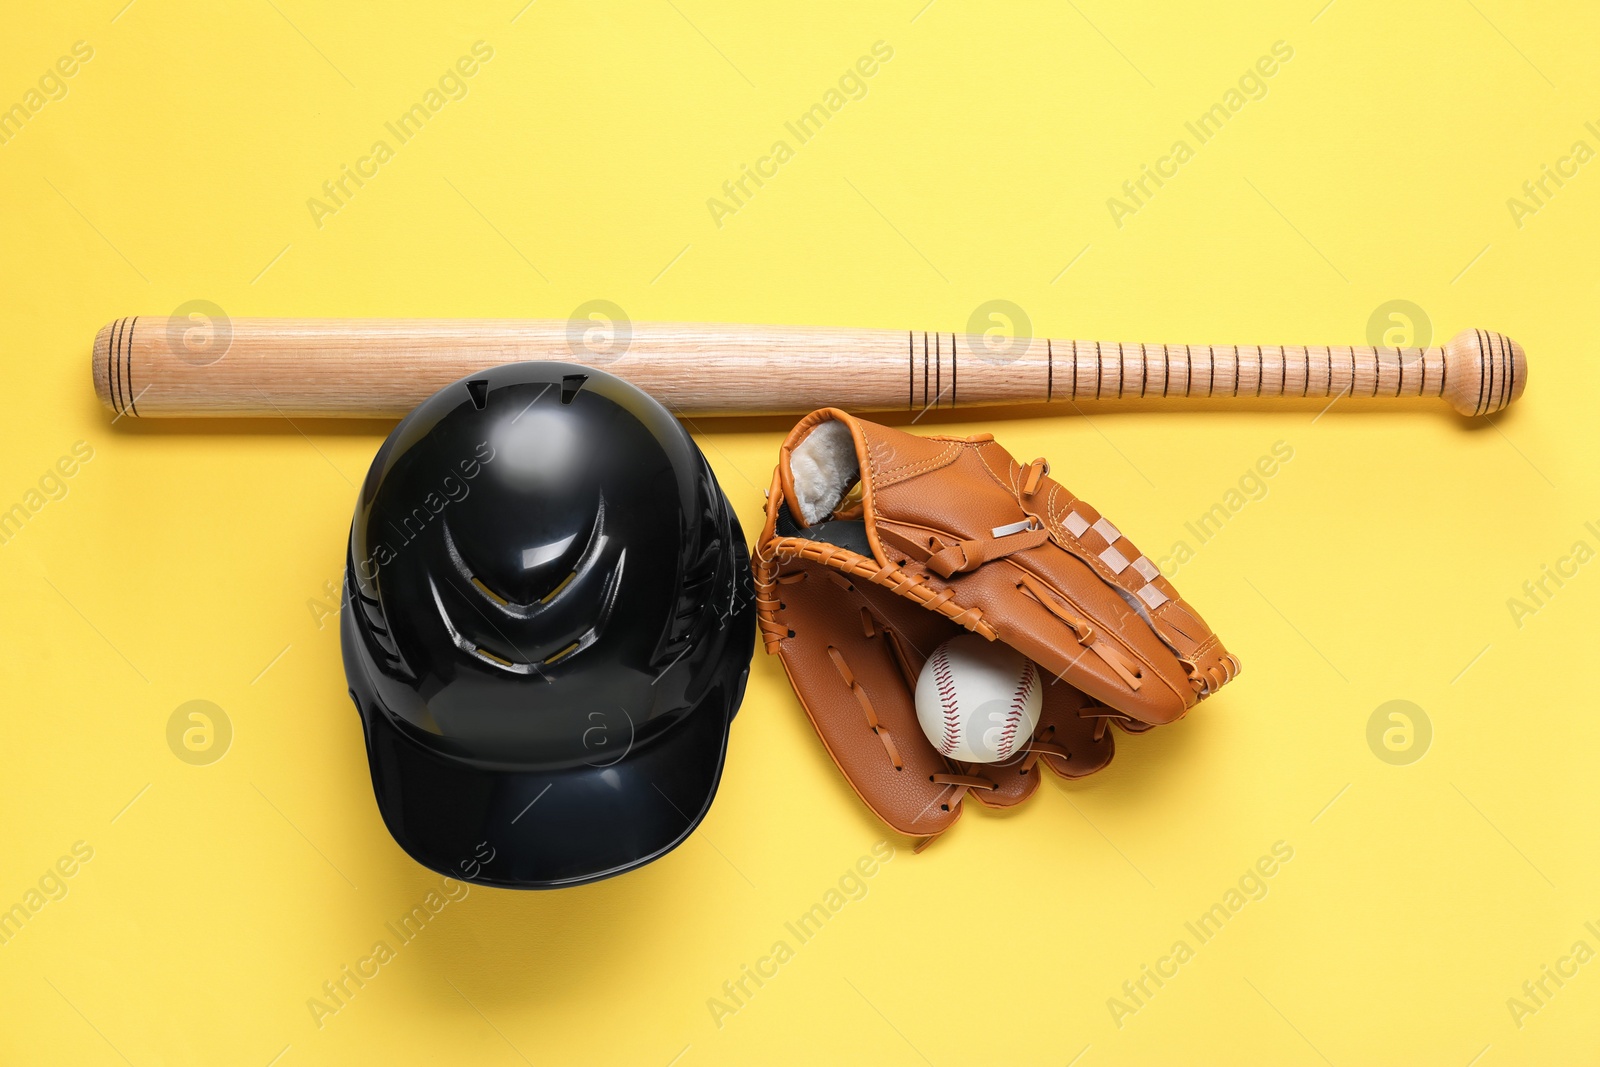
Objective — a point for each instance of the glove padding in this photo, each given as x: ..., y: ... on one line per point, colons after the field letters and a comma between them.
x: 880, y: 545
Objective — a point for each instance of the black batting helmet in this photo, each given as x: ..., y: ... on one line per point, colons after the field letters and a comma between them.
x: 547, y: 628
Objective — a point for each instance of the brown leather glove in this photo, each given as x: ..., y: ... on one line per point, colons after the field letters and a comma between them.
x: 879, y: 545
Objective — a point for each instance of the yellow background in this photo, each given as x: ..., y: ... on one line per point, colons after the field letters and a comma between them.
x: 188, y: 562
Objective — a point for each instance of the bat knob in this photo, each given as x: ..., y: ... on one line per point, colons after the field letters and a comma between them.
x: 1483, y: 371
x: 100, y: 363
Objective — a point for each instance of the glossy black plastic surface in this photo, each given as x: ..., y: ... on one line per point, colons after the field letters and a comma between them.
x: 547, y: 627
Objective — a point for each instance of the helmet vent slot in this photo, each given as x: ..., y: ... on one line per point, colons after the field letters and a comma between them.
x: 552, y: 594
x: 486, y: 654
x: 490, y: 593
x: 478, y: 390
x: 540, y: 595
x: 507, y: 602
x: 570, y: 384
x: 563, y: 654
x: 378, y: 626
x: 475, y: 647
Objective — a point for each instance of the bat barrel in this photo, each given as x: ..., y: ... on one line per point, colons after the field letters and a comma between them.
x: 166, y: 367
x: 158, y: 367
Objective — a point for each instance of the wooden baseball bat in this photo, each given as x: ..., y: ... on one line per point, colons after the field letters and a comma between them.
x: 378, y: 368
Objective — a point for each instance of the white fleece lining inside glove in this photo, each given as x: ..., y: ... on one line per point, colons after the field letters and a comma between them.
x: 823, y: 467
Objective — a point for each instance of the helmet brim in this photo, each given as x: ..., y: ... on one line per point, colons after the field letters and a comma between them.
x: 550, y: 829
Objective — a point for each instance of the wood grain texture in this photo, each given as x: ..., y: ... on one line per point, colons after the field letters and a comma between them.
x: 381, y: 368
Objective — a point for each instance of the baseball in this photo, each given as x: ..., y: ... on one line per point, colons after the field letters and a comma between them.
x: 978, y: 701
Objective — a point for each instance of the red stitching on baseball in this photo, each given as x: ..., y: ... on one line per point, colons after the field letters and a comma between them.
x: 1019, y: 701
x: 947, y: 702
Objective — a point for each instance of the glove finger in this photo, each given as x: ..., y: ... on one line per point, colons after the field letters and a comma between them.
x: 848, y: 652
x: 1079, y: 742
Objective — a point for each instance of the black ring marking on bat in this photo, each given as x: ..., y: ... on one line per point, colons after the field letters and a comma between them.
x: 122, y: 395
x: 952, y: 368
x: 133, y: 398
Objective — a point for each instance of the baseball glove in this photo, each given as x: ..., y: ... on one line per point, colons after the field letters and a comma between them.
x: 879, y: 545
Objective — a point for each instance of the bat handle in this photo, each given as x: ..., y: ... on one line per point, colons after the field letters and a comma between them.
x: 1477, y: 372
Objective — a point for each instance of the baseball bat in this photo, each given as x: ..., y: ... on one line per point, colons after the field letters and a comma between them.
x: 382, y: 368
